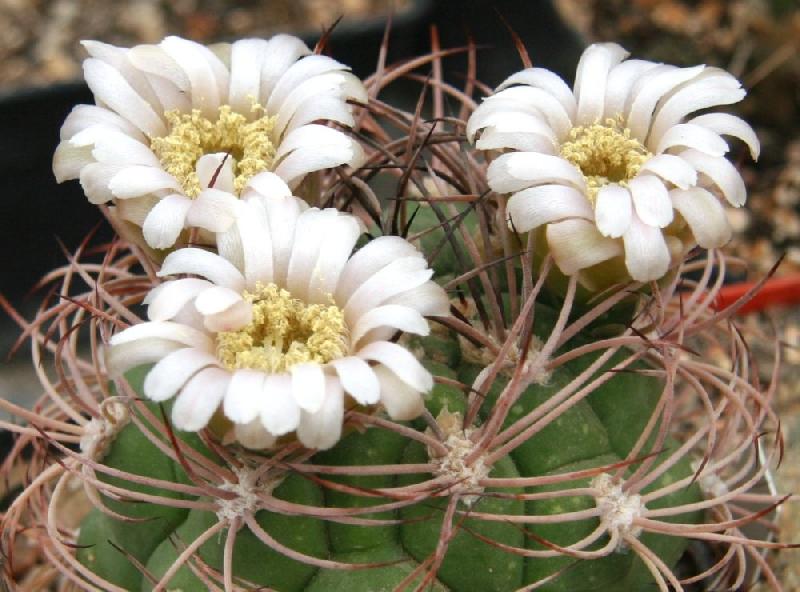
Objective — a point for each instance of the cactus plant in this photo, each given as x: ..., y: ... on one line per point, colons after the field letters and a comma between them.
x: 576, y: 437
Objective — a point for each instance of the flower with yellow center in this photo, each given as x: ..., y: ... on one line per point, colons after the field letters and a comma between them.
x: 615, y: 168
x: 290, y: 331
x: 182, y: 131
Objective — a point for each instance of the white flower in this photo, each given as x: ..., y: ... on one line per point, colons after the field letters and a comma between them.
x: 606, y: 167
x: 299, y: 332
x: 180, y: 130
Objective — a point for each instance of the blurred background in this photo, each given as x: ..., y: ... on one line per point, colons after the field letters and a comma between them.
x: 757, y: 40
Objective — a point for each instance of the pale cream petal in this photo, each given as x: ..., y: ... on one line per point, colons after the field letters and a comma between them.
x: 167, y: 377
x: 726, y: 124
x: 164, y: 330
x: 648, y: 90
x: 247, y: 59
x: 282, y: 214
x: 243, y: 397
x: 108, y: 86
x: 308, y: 386
x: 279, y: 411
x: 400, y: 361
x: 283, y: 50
x: 237, y: 316
x: 613, y: 210
x: 206, y: 73
x: 429, y: 299
x: 621, y: 79
x: 215, y: 171
x: 199, y: 399
x: 671, y: 168
x: 153, y: 60
x: 495, y: 106
x: 135, y: 181
x: 121, y: 358
x: 309, y: 235
x: 370, y: 259
x: 339, y: 238
x: 577, y: 244
x: 256, y: 243
x: 318, y: 108
x: 395, y: 316
x: 117, y: 147
x: 167, y: 299
x: 722, y: 174
x: 533, y: 207
x: 267, y: 184
x: 213, y: 210
x: 95, y: 179
x: 205, y: 264
x: 85, y: 116
x: 216, y: 299
x: 651, y: 200
x: 358, y: 379
x: 591, y: 78
x: 402, y: 402
x: 646, y: 254
x: 518, y: 170
x: 711, y: 88
x: 69, y: 160
x: 547, y: 81
x: 302, y: 70
x: 165, y: 221
x: 692, y: 136
x: 542, y: 101
x: 705, y: 216
x: 322, y: 428
x: 252, y: 435
x: 307, y: 159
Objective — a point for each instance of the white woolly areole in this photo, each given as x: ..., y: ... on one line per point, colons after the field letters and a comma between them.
x: 618, y: 510
x: 710, y: 483
x: 465, y: 477
x: 101, y: 431
x: 246, y: 500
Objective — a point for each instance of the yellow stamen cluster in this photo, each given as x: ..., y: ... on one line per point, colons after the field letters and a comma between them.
x: 192, y: 135
x: 284, y: 331
x: 604, y: 153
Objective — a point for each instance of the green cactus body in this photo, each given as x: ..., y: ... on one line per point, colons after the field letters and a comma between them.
x: 599, y: 430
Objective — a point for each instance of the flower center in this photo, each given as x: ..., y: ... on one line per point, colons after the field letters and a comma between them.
x: 192, y: 135
x: 604, y: 153
x: 284, y: 331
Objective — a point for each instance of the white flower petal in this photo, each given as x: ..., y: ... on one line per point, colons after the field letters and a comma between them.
x: 119, y: 59
x: 721, y: 172
x: 134, y: 181
x: 646, y: 255
x: 244, y: 396
x: 216, y: 299
x: 651, y: 200
x: 307, y: 159
x: 167, y: 299
x: 233, y: 318
x: 429, y: 299
x: 649, y: 88
x: 213, y: 210
x: 518, y: 170
x: 164, y: 330
x: 394, y: 316
x: 613, y: 210
x: 215, y: 171
x: 168, y: 376
x: 154, y: 61
x: 400, y: 361
x: 283, y: 51
x: 402, y: 402
x: 547, y: 81
x: 205, y: 264
x: 530, y: 208
x: 253, y: 227
x: 325, y: 107
x: 247, y: 59
x: 692, y: 136
x: 252, y: 435
x: 621, y: 79
x: 279, y: 411
x: 705, y: 216
x: 713, y: 87
x: 308, y: 386
x: 206, y: 73
x: 116, y: 147
x: 591, y: 78
x: 69, y: 160
x: 308, y: 237
x: 267, y: 184
x: 726, y: 124
x: 95, y: 179
x: 358, y: 379
x: 540, y: 101
x: 322, y: 428
x: 109, y: 87
x: 397, y: 277
x: 577, y: 244
x: 165, y: 221
x: 85, y: 116
x: 199, y: 399
x: 338, y: 241
x: 121, y: 358
x: 282, y: 214
x: 370, y: 259
x: 671, y: 168
x: 304, y: 69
